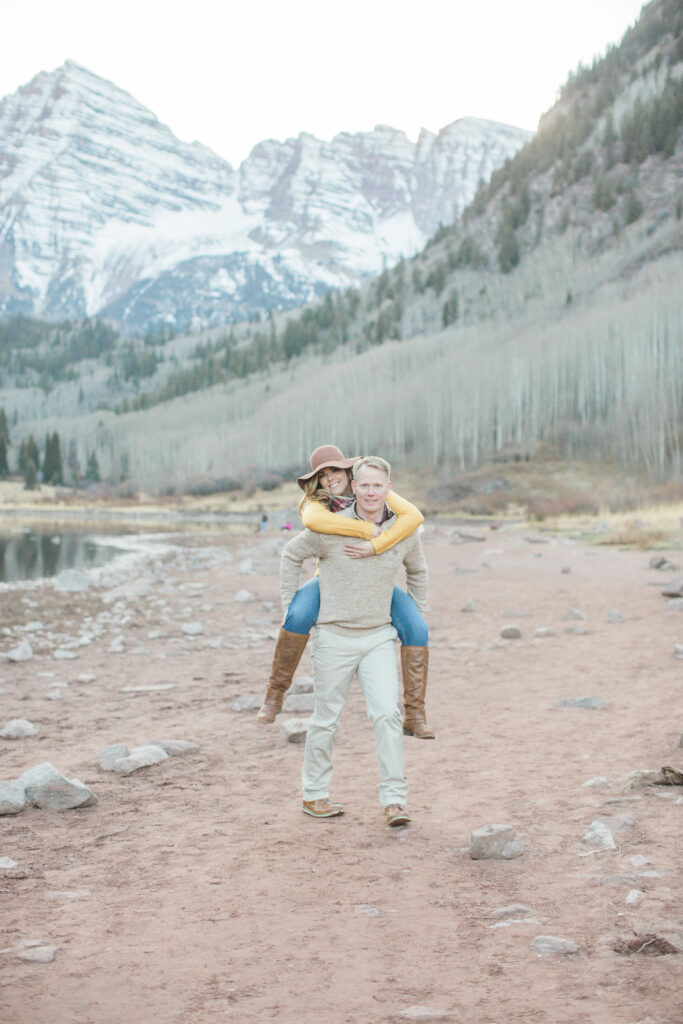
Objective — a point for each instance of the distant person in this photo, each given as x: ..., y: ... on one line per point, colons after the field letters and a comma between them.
x: 354, y: 635
x: 263, y: 525
x: 286, y: 526
x: 327, y: 491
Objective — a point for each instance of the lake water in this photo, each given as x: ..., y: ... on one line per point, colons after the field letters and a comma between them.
x: 31, y: 554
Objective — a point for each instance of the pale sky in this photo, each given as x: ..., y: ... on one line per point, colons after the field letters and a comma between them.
x: 231, y: 73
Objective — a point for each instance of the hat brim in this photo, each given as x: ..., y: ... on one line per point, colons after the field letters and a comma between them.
x: 336, y: 464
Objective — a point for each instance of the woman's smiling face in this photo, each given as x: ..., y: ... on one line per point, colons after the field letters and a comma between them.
x: 333, y: 480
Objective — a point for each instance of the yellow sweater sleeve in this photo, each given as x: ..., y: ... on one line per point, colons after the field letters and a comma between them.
x: 408, y: 518
x: 319, y: 519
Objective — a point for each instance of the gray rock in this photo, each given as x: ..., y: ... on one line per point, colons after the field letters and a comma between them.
x: 299, y: 703
x: 61, y: 654
x: 12, y: 797
x: 86, y: 677
x: 590, y: 703
x: 129, y: 591
x: 367, y: 909
x: 140, y: 757
x: 680, y: 742
x: 152, y: 688
x: 424, y: 1013
x: 658, y: 562
x: 18, y: 728
x: 176, y: 748
x: 72, y: 581
x: 247, y: 702
x: 545, y: 631
x: 22, y: 652
x: 469, y: 606
x: 302, y: 684
x: 547, y: 945
x: 7, y: 864
x: 599, y: 836
x: 295, y: 729
x: 674, y: 589
x: 514, y: 910
x: 511, y: 632
x: 515, y: 614
x: 192, y: 628
x: 574, y: 615
x: 576, y: 630
x: 247, y: 567
x: 243, y: 596
x: 566, y: 569
x: 645, y: 777
x: 634, y: 896
x: 108, y: 757
x: 614, y: 616
x: 674, y: 604
x: 496, y: 842
x: 678, y: 650
x: 599, y: 782
x: 39, y: 954
x: 47, y: 787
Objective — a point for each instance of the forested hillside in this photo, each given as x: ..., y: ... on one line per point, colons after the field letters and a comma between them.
x: 548, y: 314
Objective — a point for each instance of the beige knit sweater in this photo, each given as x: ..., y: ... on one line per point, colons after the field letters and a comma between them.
x: 355, y: 593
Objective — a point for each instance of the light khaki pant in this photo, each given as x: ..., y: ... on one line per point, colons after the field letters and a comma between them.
x: 336, y: 659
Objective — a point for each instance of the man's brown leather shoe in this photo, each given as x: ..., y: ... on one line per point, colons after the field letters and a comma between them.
x: 396, y: 815
x: 321, y: 808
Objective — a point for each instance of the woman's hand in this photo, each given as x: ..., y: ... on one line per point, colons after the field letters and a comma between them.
x: 360, y: 549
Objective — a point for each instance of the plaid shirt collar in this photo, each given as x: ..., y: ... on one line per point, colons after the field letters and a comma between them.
x: 337, y: 504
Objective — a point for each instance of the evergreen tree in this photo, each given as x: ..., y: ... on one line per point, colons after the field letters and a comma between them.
x: 48, y: 460
x: 4, y: 468
x: 449, y: 313
x: 4, y: 429
x: 30, y: 475
x: 92, y: 470
x: 633, y: 208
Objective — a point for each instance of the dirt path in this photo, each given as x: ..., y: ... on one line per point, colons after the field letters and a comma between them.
x: 195, y: 891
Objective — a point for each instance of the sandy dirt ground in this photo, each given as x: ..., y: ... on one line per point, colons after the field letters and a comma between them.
x: 195, y: 891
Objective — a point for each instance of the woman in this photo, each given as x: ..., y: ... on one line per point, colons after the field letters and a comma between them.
x: 327, y: 490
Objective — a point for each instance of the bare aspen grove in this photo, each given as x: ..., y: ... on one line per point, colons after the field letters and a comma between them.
x: 600, y: 378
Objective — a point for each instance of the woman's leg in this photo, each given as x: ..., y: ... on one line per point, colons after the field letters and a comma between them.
x: 414, y: 636
x: 292, y: 639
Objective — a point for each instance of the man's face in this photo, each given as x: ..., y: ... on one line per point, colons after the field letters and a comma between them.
x: 371, y: 487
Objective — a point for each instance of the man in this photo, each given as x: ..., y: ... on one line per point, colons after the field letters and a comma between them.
x: 354, y: 635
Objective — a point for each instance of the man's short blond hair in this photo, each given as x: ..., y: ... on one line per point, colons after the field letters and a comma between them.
x: 373, y: 462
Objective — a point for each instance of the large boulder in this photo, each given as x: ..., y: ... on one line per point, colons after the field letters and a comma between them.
x: 46, y: 787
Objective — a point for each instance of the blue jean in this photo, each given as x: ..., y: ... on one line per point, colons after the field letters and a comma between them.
x: 406, y: 617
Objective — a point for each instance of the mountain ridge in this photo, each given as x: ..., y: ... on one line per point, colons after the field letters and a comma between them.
x: 101, y: 201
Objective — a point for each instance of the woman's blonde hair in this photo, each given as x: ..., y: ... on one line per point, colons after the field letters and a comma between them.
x: 314, y: 492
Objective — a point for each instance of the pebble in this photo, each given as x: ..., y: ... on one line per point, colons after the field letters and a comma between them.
x: 678, y: 650
x: 365, y: 908
x: 72, y: 581
x: 247, y: 567
x: 12, y: 797
x: 424, y: 1013
x: 302, y: 684
x: 176, y: 748
x: 645, y: 777
x: 574, y: 615
x: 139, y: 757
x: 599, y: 782
x: 39, y: 954
x: 599, y: 836
x: 87, y: 677
x: 299, y: 703
x: 590, y: 703
x: 247, y: 702
x: 469, y: 606
x: 544, y: 631
x: 6, y: 863
x: 496, y: 842
x: 22, y: 652
x: 63, y: 655
x: 576, y: 630
x: 192, y: 628
x: 157, y: 688
x: 634, y: 895
x: 243, y: 596
x: 511, y: 632
x: 514, y: 910
x: 674, y: 604
x: 614, y: 616
x: 566, y: 569
x: 674, y: 589
x: 108, y: 757
x: 547, y: 945
x: 296, y: 729
x: 46, y: 787
x: 18, y: 728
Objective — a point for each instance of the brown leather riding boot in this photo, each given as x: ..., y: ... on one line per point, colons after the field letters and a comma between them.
x: 288, y: 651
x: 414, y: 664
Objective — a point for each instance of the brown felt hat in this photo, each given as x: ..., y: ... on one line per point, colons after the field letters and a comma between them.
x: 324, y: 456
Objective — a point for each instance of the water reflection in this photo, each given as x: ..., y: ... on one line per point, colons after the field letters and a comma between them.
x: 31, y: 555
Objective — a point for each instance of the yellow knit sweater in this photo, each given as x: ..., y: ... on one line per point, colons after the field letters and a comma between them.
x: 319, y: 519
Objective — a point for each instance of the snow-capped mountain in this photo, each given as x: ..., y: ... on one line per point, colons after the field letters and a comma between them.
x: 103, y: 211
